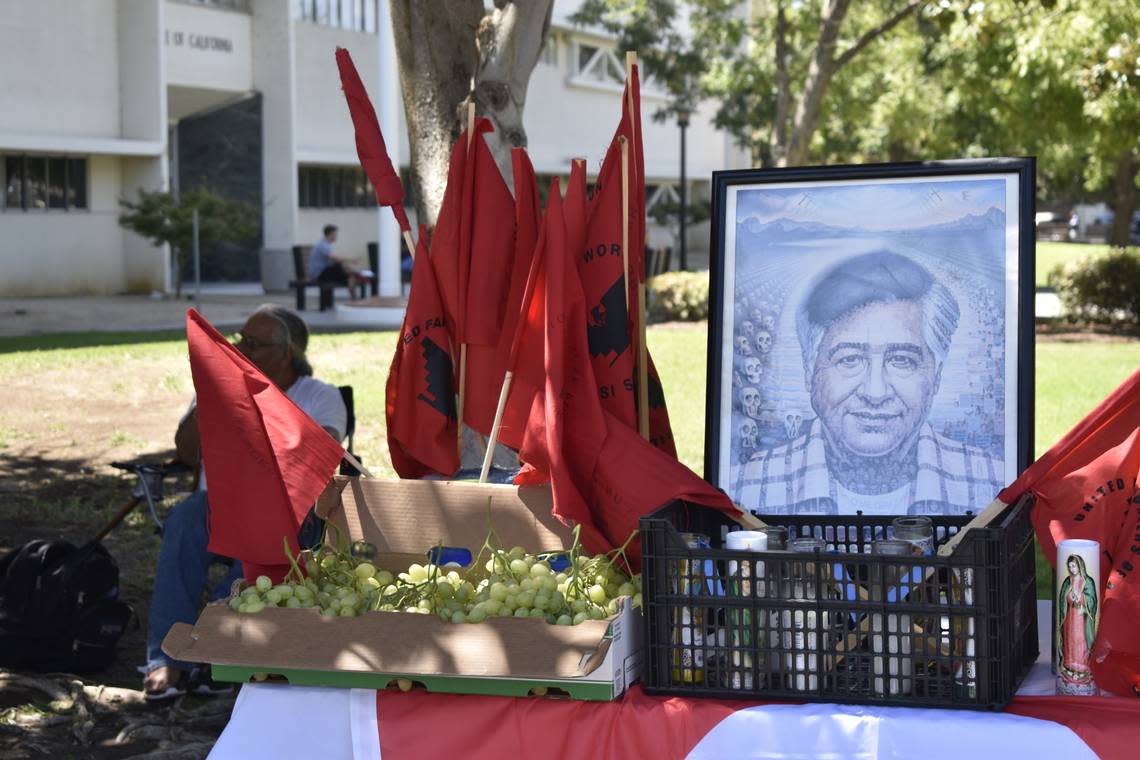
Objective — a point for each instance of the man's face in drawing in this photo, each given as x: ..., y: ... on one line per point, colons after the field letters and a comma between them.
x: 874, y: 378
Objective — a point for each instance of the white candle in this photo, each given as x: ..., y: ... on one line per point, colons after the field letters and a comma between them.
x: 1076, y: 613
x: 740, y: 577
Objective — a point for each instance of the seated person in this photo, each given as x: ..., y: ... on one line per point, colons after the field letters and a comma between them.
x: 274, y: 339
x: 325, y: 266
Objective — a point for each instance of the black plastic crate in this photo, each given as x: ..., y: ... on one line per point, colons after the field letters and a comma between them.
x: 843, y: 625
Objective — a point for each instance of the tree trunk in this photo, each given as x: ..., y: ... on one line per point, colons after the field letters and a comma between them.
x: 779, y: 147
x: 820, y: 71
x: 444, y: 49
x: 509, y: 41
x: 435, y: 48
x: 1124, y: 203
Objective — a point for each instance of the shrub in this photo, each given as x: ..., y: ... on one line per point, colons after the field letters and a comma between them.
x: 1103, y: 289
x: 680, y: 296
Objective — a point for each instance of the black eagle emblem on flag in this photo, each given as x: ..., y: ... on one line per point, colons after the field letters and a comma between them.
x: 437, y: 363
x: 607, y: 326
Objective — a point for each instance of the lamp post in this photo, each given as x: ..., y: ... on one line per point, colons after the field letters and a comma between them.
x: 684, y: 113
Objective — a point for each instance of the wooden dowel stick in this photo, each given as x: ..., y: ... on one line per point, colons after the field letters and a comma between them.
x: 625, y: 217
x: 642, y: 366
x: 494, y: 439
x: 463, y: 346
x: 356, y: 463
x: 410, y: 243
x: 462, y: 386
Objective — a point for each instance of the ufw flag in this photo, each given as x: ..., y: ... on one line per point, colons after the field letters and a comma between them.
x: 370, y: 147
x: 1086, y: 487
x: 612, y: 327
x: 419, y: 397
x: 603, y: 475
x: 268, y: 460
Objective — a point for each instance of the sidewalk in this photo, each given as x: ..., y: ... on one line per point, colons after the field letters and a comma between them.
x: 227, y: 306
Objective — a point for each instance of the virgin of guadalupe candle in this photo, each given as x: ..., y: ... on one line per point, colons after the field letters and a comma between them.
x: 1076, y: 613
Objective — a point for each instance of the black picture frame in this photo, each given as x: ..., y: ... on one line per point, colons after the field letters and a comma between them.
x: 968, y: 224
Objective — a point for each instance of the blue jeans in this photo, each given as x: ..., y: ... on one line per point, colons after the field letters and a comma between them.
x: 183, y: 570
x: 181, y: 576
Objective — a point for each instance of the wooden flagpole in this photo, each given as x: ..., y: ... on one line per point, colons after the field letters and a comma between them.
x: 642, y: 351
x: 463, y: 345
x: 504, y: 392
x: 356, y: 463
x: 410, y: 243
x: 625, y: 216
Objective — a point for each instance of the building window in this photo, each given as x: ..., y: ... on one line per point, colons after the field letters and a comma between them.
x: 334, y: 187
x: 598, y: 64
x: 44, y: 182
x: 355, y: 15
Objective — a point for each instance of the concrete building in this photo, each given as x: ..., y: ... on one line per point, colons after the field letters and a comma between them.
x: 99, y: 98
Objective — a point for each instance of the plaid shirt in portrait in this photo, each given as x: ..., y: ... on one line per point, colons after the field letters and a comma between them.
x: 795, y: 479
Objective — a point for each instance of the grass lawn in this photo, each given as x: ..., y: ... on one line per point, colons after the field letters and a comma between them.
x: 1051, y: 255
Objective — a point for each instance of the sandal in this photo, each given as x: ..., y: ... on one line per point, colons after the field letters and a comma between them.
x: 174, y: 689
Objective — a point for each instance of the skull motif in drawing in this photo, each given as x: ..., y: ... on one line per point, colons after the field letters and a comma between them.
x: 750, y: 401
x: 793, y: 421
x: 762, y: 341
x: 753, y: 369
x: 748, y: 431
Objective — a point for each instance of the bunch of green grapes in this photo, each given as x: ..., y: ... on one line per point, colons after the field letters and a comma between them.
x: 509, y: 583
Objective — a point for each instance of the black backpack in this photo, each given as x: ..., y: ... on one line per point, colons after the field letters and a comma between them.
x: 60, y: 608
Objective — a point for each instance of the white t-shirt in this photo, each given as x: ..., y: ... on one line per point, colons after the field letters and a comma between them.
x: 317, y: 399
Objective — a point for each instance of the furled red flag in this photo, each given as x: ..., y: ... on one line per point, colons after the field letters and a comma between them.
x: 419, y: 398
x: 494, y: 264
x: 525, y: 282
x: 603, y: 475
x: 613, y: 328
x: 472, y: 250
x: 268, y: 460
x: 370, y: 141
x: 1086, y: 487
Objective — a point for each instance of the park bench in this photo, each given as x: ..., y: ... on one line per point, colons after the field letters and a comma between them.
x: 301, y: 280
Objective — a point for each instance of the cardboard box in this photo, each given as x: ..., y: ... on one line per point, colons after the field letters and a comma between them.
x: 596, y: 660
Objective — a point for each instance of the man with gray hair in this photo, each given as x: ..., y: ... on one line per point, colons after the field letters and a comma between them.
x: 275, y: 340
x: 874, y: 332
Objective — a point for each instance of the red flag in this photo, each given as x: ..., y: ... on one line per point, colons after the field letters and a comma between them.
x: 268, y: 460
x: 613, y: 327
x: 526, y: 281
x: 1086, y: 487
x: 490, y: 214
x: 370, y: 141
x: 603, y: 475
x: 420, y: 395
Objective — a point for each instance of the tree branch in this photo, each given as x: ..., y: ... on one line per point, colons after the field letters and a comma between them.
x: 871, y: 34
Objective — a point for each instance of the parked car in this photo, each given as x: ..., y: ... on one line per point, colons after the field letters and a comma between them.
x: 1093, y: 224
x: 1052, y: 225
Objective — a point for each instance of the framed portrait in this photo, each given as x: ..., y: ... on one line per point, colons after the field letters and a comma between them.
x: 871, y: 336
